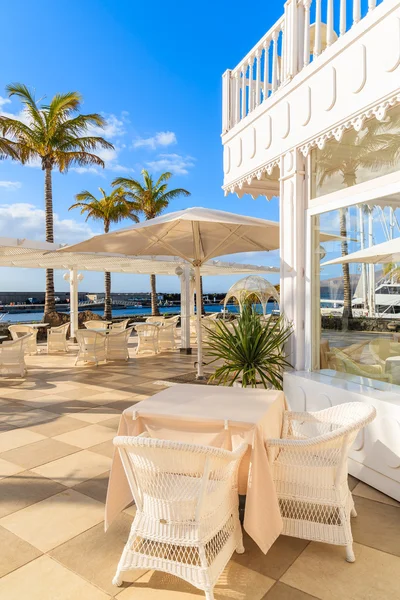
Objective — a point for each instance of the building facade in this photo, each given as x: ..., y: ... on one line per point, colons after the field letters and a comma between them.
x: 312, y: 115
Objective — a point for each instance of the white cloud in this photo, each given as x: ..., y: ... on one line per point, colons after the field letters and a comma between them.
x: 10, y: 185
x: 161, y: 138
x: 26, y: 220
x: 175, y: 163
x: 4, y: 101
x: 110, y: 158
x: 114, y: 127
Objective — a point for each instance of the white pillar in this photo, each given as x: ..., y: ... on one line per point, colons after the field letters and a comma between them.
x: 184, y: 276
x: 72, y: 277
x: 292, y: 251
x: 371, y: 267
x: 363, y: 265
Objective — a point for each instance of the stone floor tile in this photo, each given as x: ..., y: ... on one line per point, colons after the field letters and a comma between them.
x: 45, y: 401
x: 104, y: 549
x: 366, y: 491
x: 78, y: 393
x: 18, y: 437
x: 42, y: 578
x: 15, y: 552
x: 235, y: 583
x: 8, y: 468
x: 58, y: 425
x: 121, y: 405
x: 278, y: 559
x: 105, y: 448
x: 98, y: 414
x: 53, y: 521
x: 112, y: 423
x: 23, y: 489
x: 70, y: 407
x: 352, y: 482
x: 21, y: 394
x: 281, y: 591
x: 11, y: 408
x: 38, y: 453
x: 377, y: 525
x: 28, y: 418
x: 75, y: 468
x: 87, y: 436
x: 322, y: 571
x: 96, y: 487
x: 108, y: 397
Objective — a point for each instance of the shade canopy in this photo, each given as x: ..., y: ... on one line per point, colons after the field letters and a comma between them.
x: 252, y: 285
x: 387, y: 252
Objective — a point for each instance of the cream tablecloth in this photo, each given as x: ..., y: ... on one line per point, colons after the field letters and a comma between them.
x: 221, y: 417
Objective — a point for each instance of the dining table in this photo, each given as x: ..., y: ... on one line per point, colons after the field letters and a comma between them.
x: 217, y: 416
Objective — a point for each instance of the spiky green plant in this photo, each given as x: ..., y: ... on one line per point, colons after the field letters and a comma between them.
x: 252, y: 352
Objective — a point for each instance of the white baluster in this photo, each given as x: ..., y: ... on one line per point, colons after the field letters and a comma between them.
x: 258, y: 78
x: 226, y: 101
x: 329, y: 24
x: 243, y: 71
x: 343, y: 15
x: 306, y: 59
x: 266, y: 68
x: 275, y: 61
x: 317, y: 44
x: 251, y: 99
x: 371, y: 4
x: 237, y: 96
x: 356, y: 11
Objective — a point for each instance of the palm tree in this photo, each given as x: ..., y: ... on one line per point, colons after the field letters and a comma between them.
x: 150, y: 199
x: 375, y: 146
x: 110, y: 208
x: 56, y: 135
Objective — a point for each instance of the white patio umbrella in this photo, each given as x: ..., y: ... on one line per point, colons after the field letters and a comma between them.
x: 194, y: 234
x: 386, y: 252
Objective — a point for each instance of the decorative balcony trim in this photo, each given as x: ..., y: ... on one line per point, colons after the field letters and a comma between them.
x: 378, y: 111
x: 237, y: 185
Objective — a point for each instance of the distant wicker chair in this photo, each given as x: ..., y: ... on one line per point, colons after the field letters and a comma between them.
x: 117, y: 344
x: 310, y: 472
x: 166, y: 336
x: 57, y: 338
x: 187, y: 519
x: 120, y: 326
x: 96, y: 324
x: 147, y: 338
x: 12, y: 356
x: 154, y: 320
x: 18, y: 331
x: 92, y: 346
x: 339, y: 361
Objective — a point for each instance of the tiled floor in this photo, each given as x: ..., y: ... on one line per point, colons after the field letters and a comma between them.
x: 56, y: 430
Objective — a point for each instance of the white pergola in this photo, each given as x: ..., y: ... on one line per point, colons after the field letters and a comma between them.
x: 23, y: 253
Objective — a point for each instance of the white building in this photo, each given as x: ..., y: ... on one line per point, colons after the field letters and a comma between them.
x: 312, y: 115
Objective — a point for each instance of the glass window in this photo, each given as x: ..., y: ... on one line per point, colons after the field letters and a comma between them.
x: 358, y: 157
x: 356, y: 307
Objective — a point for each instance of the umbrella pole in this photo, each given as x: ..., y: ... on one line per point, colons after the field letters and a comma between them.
x: 200, y: 373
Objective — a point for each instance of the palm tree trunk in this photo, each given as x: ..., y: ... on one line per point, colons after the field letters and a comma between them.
x: 49, y: 304
x: 154, y: 307
x: 107, y: 297
x: 347, y: 310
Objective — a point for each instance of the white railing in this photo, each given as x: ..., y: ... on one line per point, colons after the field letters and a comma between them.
x: 305, y: 30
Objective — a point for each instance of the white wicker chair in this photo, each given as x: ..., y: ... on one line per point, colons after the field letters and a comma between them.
x: 12, y: 356
x: 117, y: 344
x: 187, y: 520
x: 147, y: 338
x: 310, y: 472
x: 57, y: 338
x: 153, y: 320
x: 18, y: 331
x: 166, y: 336
x: 92, y: 346
x: 96, y: 324
x: 120, y: 326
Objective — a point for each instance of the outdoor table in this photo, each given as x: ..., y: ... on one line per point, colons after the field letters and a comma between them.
x: 36, y: 325
x: 216, y: 416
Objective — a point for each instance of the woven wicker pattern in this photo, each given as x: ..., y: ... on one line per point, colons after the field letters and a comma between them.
x: 167, y: 336
x: 12, y: 356
x: 120, y: 326
x: 147, y: 338
x: 117, y: 344
x: 96, y: 324
x: 92, y: 346
x: 18, y: 331
x: 310, y: 472
x: 187, y: 520
x: 57, y: 338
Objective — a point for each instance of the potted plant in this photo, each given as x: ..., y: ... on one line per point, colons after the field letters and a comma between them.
x: 252, y: 352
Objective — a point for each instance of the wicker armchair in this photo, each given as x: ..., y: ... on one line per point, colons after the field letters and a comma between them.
x: 339, y: 361
x: 18, y: 331
x: 187, y: 519
x: 92, y: 346
x: 117, y: 344
x: 12, y: 356
x: 155, y: 320
x: 120, y: 326
x: 57, y: 338
x: 166, y: 336
x: 147, y: 338
x: 96, y: 324
x: 310, y: 472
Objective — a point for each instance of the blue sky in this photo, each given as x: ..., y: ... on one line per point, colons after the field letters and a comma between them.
x: 154, y: 71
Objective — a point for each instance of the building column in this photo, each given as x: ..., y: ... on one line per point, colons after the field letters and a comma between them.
x: 184, y: 276
x: 292, y: 207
